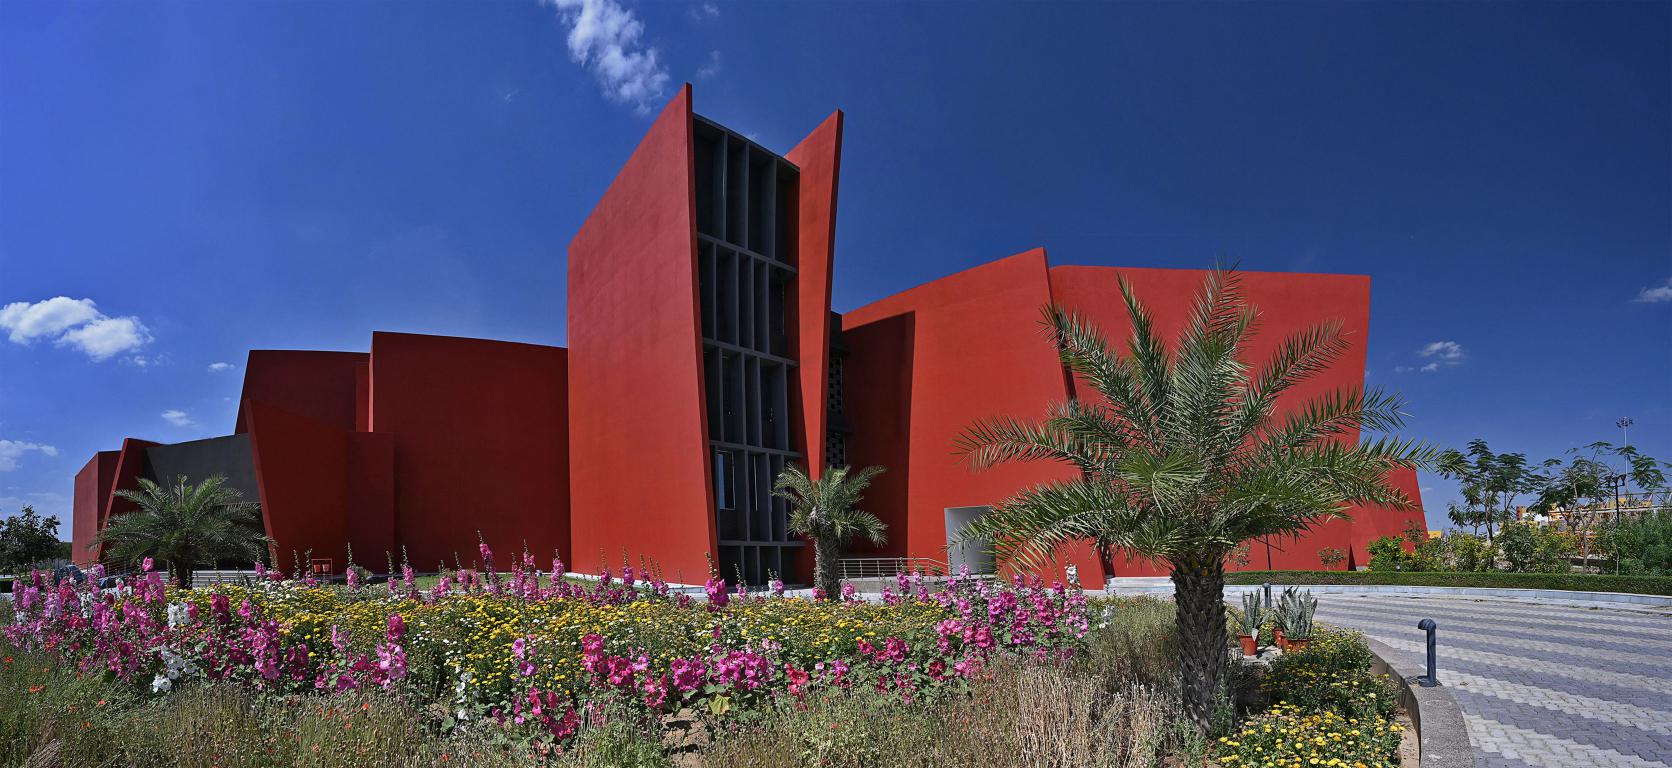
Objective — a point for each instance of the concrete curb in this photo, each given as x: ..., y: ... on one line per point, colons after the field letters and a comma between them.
x: 1615, y: 599
x: 1442, y: 736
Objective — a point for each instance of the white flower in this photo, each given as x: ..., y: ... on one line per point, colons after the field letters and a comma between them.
x: 161, y: 684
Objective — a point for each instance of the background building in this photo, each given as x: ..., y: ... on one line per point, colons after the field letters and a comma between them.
x: 703, y: 358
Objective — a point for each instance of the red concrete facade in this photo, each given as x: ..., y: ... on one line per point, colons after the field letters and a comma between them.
x: 92, y: 492
x: 479, y: 437
x: 819, y: 157
x: 604, y: 451
x: 640, y: 482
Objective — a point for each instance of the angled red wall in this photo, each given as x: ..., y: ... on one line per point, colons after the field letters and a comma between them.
x: 818, y: 158
x: 971, y: 348
x: 1288, y: 302
x: 301, y: 469
x: 130, y: 466
x: 479, y: 435
x: 329, y: 387
x: 92, y: 495
x: 640, y: 478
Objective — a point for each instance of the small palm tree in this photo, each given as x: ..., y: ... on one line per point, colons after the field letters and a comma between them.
x: 827, y: 511
x: 185, y: 526
x: 1184, y: 455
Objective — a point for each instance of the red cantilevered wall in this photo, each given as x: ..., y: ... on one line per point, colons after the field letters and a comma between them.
x: 819, y: 158
x: 926, y: 363
x: 639, y: 478
x: 92, y: 494
x: 1288, y: 302
x: 328, y: 387
x: 479, y: 431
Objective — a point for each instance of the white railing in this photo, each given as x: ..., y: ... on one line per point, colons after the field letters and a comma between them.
x: 884, y: 567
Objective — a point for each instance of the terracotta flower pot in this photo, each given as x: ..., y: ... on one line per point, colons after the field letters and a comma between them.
x: 1298, y: 643
x: 1250, y: 645
x: 1282, y: 644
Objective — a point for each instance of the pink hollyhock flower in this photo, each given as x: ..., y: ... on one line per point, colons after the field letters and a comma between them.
x: 687, y: 674
x: 798, y: 679
x: 716, y: 591
x: 145, y: 565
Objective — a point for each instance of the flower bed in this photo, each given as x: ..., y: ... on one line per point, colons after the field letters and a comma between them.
x: 1329, y: 711
x: 531, y: 656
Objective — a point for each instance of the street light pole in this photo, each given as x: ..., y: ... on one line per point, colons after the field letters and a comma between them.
x: 1619, y: 482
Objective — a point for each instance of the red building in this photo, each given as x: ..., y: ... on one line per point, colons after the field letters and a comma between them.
x: 703, y: 359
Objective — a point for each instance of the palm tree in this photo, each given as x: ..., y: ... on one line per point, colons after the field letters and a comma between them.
x: 827, y: 511
x: 1184, y: 455
x: 185, y: 526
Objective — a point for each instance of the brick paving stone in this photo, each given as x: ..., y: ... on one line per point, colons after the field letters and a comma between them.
x: 1541, y: 684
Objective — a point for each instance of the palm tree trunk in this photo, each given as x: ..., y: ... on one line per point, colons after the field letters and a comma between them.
x: 182, y: 575
x: 1199, y: 591
x: 826, y: 558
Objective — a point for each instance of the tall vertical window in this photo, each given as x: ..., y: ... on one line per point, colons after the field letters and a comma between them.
x: 724, y: 495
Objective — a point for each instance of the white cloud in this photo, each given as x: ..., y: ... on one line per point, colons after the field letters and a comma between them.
x: 1403, y: 369
x: 1655, y: 294
x: 219, y: 367
x: 1449, y: 351
x: 712, y: 68
x: 75, y: 323
x: 12, y: 450
x: 107, y: 336
x: 178, y: 418
x: 1431, y: 367
x: 604, y: 38
x: 25, y: 322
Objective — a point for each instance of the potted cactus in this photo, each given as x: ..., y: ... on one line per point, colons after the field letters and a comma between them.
x: 1280, y: 617
x: 1253, y: 615
x: 1297, y: 629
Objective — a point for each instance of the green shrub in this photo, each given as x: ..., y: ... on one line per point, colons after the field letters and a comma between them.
x: 1333, y: 674
x: 1643, y: 544
x: 1582, y: 582
x: 1531, y: 548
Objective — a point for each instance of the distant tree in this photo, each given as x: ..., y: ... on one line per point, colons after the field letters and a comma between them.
x: 1466, y: 515
x: 827, y: 511
x: 27, y: 539
x: 185, y: 526
x: 1584, y: 485
x: 1490, y: 482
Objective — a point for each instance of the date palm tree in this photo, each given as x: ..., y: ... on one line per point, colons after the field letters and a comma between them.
x: 827, y: 511
x: 185, y: 526
x: 1184, y: 454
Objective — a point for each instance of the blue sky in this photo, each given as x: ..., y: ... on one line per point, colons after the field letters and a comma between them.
x: 197, y: 179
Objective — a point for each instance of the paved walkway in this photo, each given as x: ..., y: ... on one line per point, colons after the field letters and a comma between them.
x: 1541, y: 684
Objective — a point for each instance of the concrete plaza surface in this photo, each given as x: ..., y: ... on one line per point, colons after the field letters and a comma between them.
x: 1540, y: 683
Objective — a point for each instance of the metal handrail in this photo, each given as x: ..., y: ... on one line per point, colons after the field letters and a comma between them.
x: 884, y: 567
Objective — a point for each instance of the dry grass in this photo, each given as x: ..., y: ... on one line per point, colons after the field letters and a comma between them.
x: 1022, y: 716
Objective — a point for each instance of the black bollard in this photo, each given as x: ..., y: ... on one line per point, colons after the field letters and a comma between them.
x: 1268, y: 594
x: 1432, y: 679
